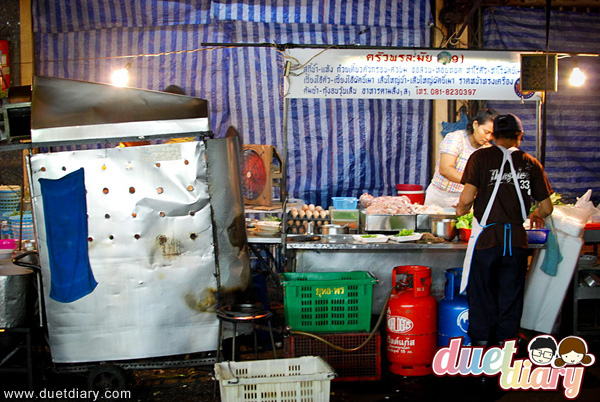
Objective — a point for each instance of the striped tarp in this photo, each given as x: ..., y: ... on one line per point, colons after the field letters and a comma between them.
x: 336, y: 147
x: 572, y: 149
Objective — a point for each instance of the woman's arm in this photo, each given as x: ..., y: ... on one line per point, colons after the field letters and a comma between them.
x: 447, y: 168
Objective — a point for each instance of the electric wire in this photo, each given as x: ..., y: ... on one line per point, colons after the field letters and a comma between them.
x: 341, y: 349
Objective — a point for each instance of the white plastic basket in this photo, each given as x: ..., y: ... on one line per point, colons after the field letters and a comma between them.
x: 301, y: 379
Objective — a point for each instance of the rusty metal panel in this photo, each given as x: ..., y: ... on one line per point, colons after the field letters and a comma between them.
x: 223, y: 157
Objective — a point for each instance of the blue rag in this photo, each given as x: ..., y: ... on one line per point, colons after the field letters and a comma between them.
x: 461, y: 124
x: 553, y: 256
x: 65, y: 214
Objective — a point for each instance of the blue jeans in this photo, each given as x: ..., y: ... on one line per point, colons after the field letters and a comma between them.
x: 495, y: 293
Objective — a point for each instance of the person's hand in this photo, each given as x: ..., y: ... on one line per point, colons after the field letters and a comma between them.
x: 535, y: 222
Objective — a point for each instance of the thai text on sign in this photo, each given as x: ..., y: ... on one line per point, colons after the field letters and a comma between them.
x: 405, y: 74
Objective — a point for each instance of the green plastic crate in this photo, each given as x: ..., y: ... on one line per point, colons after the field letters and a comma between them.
x: 328, y: 301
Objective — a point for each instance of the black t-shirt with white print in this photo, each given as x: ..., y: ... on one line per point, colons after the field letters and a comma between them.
x: 482, y: 172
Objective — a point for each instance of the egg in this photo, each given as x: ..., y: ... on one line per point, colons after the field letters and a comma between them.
x: 301, y: 214
x: 309, y: 214
x: 305, y: 207
x: 318, y: 208
x: 294, y: 213
x: 297, y: 223
x: 311, y: 207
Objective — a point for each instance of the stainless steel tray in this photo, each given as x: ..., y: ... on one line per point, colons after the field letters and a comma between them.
x: 387, y: 223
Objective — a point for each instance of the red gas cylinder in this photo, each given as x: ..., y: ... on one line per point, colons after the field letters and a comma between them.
x: 411, y: 322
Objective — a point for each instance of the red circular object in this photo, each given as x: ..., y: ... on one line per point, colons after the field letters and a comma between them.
x: 254, y: 175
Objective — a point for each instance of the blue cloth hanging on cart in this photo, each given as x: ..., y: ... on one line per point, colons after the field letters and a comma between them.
x: 65, y: 214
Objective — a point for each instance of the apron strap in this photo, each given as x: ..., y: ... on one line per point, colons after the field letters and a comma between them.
x: 516, y: 182
x: 488, y: 208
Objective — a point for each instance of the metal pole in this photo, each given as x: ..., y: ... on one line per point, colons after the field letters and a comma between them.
x: 538, y: 116
x: 284, y: 190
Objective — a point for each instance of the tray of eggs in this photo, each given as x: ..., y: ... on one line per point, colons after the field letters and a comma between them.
x: 299, y: 218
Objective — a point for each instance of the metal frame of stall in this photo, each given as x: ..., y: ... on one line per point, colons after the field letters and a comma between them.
x: 190, y: 236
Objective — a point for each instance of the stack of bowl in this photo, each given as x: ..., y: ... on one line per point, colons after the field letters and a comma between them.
x: 266, y: 228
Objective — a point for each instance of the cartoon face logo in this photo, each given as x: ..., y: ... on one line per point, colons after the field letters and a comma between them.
x: 542, y: 349
x: 573, y: 350
x: 572, y: 357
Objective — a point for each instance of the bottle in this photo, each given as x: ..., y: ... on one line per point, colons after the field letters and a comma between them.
x: 5, y: 232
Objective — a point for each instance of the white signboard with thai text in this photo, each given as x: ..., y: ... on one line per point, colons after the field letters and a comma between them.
x: 405, y: 74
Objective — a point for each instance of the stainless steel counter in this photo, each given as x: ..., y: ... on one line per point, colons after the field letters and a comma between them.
x: 342, y: 253
x: 347, y: 242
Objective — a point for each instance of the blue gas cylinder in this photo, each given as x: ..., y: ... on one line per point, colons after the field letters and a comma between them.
x: 453, y: 311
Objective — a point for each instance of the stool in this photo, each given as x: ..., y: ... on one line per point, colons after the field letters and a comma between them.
x: 243, y: 314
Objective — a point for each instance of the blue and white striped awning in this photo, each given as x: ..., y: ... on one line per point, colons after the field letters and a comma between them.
x: 336, y: 148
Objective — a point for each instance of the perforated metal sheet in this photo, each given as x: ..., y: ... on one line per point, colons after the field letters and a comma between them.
x: 150, y: 248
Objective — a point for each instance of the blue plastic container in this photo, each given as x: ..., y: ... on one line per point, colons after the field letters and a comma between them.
x: 537, y: 236
x: 344, y: 202
x: 453, y: 311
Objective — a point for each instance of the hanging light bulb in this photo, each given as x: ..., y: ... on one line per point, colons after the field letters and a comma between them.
x: 577, y: 78
x: 120, y: 78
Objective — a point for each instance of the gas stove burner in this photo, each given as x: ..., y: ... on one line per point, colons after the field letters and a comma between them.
x: 243, y: 312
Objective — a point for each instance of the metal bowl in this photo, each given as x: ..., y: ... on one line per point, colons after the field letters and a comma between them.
x: 332, y: 229
x: 444, y: 227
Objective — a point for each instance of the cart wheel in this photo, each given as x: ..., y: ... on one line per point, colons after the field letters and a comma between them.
x: 107, y: 377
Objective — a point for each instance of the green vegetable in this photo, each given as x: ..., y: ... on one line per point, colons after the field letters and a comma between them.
x: 465, y: 221
x: 404, y: 232
x: 368, y: 236
x: 554, y: 197
x: 272, y: 218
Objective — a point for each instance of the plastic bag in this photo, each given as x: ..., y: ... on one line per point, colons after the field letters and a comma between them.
x: 571, y: 219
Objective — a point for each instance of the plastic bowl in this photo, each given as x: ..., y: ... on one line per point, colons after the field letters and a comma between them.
x: 6, y: 244
x: 537, y: 236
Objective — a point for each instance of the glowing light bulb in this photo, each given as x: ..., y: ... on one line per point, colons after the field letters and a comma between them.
x: 577, y: 78
x: 120, y: 78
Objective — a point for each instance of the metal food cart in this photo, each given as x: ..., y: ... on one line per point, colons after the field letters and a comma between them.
x: 161, y: 226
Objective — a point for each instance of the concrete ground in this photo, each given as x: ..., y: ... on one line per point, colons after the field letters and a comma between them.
x: 197, y: 384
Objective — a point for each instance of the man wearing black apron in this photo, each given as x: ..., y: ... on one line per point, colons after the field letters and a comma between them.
x: 500, y: 181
